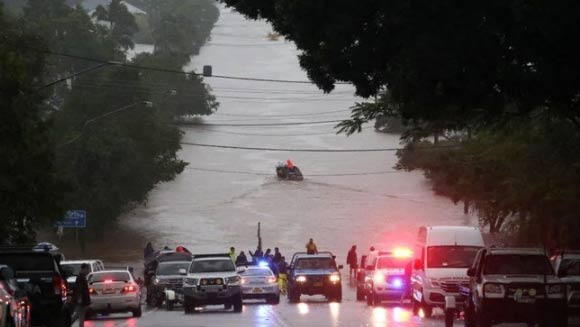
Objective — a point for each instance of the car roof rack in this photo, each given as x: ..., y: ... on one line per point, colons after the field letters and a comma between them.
x: 306, y: 254
x: 201, y: 256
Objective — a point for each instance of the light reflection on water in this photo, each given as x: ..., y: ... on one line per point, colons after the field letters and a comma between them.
x: 401, y: 315
x: 379, y: 317
x: 303, y: 308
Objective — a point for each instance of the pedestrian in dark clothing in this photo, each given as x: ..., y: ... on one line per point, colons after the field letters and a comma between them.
x: 277, y: 256
x: 241, y: 260
x: 268, y: 254
x: 148, y: 252
x: 256, y: 256
x: 352, y: 260
x: 81, y: 298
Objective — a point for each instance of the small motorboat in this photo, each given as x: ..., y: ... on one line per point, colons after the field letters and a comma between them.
x: 286, y: 173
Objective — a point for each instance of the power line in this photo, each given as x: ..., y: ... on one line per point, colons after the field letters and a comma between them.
x: 237, y: 172
x: 286, y: 150
x: 268, y: 124
x: 173, y: 71
x: 270, y: 135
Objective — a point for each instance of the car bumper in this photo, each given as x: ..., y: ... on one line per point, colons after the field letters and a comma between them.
x: 385, y: 292
x: 212, y: 295
x: 259, y: 291
x: 507, y: 310
x: 436, y: 297
x: 315, y: 289
x: 114, y: 303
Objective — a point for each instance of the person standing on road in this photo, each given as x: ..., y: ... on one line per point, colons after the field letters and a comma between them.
x: 352, y: 260
x: 277, y: 256
x: 241, y: 260
x: 81, y: 298
x: 311, y: 247
x: 233, y: 254
x: 282, y: 275
x: 148, y: 252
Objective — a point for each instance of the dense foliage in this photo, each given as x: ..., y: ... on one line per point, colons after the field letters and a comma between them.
x: 497, y: 80
x: 28, y: 182
x: 99, y: 141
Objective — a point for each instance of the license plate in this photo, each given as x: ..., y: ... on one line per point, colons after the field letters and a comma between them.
x: 257, y: 290
x: 526, y: 300
x: 319, y: 284
x: 108, y: 291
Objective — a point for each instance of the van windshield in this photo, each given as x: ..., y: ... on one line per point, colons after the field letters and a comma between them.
x: 451, y: 256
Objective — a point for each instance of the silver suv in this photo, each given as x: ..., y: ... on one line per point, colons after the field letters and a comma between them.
x: 212, y: 279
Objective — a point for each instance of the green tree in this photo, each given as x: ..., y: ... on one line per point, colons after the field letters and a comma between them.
x: 29, y: 187
x: 122, y: 24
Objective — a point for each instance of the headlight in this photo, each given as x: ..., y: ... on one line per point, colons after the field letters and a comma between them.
x: 272, y: 280
x: 492, y: 289
x: 555, y: 289
x: 191, y: 281
x: 301, y: 279
x: 233, y: 280
x: 334, y: 278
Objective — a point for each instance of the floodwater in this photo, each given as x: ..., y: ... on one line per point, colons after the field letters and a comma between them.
x: 221, y: 196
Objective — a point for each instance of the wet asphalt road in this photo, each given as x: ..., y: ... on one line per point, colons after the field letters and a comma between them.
x: 312, y: 311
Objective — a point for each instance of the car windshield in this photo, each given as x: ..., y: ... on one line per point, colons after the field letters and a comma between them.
x: 257, y: 272
x: 315, y: 263
x: 109, y: 276
x: 221, y: 265
x: 517, y: 264
x: 451, y: 256
x: 388, y: 262
x: 571, y: 267
x: 73, y: 268
x: 171, y: 268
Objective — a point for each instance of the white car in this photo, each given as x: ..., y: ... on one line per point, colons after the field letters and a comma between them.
x: 260, y: 283
x: 73, y: 268
x: 114, y: 291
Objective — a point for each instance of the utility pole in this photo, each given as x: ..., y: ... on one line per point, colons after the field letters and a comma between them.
x: 259, y: 236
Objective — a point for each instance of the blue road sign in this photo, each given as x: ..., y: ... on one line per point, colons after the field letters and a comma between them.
x: 74, y: 219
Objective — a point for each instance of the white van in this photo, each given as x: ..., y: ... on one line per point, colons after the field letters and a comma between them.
x: 442, y: 256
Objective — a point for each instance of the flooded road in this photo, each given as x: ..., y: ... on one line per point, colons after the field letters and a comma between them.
x: 345, y: 199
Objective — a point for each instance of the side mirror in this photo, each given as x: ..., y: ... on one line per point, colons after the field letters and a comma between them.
x: 370, y: 267
x: 471, y: 272
x: 417, y: 264
x: 340, y: 266
x: 183, y: 271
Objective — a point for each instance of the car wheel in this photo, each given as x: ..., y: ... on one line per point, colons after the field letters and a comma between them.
x: 293, y: 297
x: 273, y: 299
x: 137, y: 312
x: 416, y: 307
x: 338, y: 295
x: 370, y: 299
x: 188, y: 305
x: 228, y: 306
x: 482, y: 321
x: 469, y: 314
x: 449, y: 317
x: 238, y: 304
x: 360, y: 296
x: 427, y: 309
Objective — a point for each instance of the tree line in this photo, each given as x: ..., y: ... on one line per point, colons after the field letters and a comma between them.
x: 101, y: 140
x: 488, y: 91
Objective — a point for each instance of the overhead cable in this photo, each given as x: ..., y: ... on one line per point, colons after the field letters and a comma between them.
x: 233, y: 147
x: 174, y: 71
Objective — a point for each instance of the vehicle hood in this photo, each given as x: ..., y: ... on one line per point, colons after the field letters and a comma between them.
x: 451, y: 274
x: 166, y: 277
x: 213, y: 275
x: 507, y: 279
x: 314, y: 271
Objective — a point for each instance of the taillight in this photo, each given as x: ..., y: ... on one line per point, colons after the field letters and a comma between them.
x: 59, y: 286
x: 129, y: 288
x: 92, y: 291
x: 271, y: 280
